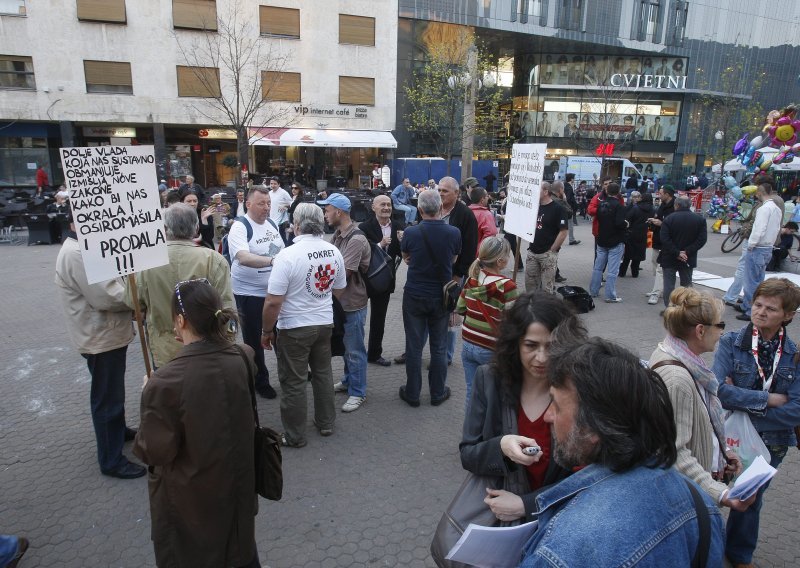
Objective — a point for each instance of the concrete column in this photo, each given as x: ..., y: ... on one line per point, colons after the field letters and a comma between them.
x: 160, y: 148
x: 67, y: 133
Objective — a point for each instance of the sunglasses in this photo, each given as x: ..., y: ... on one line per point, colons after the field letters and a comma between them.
x: 720, y: 325
x: 178, y: 292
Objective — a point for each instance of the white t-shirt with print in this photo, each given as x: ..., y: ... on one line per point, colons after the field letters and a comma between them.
x: 266, y: 241
x: 279, y: 199
x: 306, y: 274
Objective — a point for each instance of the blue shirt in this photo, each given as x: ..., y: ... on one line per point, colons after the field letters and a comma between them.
x: 402, y: 196
x: 641, y: 517
x: 445, y: 242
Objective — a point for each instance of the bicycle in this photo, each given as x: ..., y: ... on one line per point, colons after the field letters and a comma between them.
x: 733, y: 240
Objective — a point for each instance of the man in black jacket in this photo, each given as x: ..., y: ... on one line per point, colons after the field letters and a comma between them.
x: 682, y: 235
x: 611, y: 230
x: 381, y: 229
x: 667, y: 207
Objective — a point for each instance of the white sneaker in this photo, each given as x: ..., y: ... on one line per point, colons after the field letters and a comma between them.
x: 653, y: 299
x: 341, y: 387
x: 353, y: 403
x: 615, y: 300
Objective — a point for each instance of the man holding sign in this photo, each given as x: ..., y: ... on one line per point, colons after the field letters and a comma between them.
x: 99, y: 324
x: 552, y: 225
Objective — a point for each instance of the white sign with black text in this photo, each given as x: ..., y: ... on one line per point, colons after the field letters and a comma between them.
x: 113, y: 194
x: 524, y: 188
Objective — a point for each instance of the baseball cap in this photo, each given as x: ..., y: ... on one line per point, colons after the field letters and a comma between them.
x: 337, y: 200
x: 470, y: 182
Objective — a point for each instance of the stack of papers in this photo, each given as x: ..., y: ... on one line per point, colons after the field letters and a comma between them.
x: 492, y: 547
x: 752, y: 479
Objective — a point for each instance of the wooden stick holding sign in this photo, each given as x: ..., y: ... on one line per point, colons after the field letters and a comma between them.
x: 117, y: 213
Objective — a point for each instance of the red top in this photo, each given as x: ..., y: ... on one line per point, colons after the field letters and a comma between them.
x: 539, y: 430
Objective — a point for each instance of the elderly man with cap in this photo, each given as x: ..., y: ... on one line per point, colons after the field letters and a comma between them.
x: 355, y: 249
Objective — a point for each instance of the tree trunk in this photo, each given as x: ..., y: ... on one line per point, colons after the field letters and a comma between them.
x: 243, y: 147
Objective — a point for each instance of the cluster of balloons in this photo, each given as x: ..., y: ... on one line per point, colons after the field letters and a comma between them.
x: 738, y: 192
x: 780, y: 132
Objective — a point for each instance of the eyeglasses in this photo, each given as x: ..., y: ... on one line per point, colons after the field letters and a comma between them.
x: 178, y: 291
x: 720, y: 325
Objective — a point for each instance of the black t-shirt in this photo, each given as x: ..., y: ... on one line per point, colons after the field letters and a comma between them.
x: 552, y: 220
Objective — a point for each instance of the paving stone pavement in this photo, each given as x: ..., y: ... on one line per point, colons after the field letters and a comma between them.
x: 370, y: 495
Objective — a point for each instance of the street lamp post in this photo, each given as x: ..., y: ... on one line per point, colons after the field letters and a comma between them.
x: 470, y: 94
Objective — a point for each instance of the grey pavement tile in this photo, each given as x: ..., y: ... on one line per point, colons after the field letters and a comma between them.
x: 370, y: 495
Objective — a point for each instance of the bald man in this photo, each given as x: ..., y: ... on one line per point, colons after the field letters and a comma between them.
x: 381, y: 229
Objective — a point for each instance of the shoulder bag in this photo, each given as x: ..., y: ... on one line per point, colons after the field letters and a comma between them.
x: 468, y: 507
x: 451, y: 290
x: 267, y: 447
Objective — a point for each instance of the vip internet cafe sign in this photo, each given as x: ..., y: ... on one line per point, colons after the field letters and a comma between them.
x: 524, y: 187
x: 113, y: 193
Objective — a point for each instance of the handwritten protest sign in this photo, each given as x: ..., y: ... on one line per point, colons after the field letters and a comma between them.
x: 113, y: 193
x: 524, y: 187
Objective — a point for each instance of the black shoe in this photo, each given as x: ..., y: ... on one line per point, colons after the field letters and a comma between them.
x: 560, y: 279
x: 621, y: 275
x: 130, y: 433
x: 22, y: 547
x: 408, y: 401
x: 635, y: 274
x: 381, y: 361
x: 128, y: 470
x: 266, y: 391
x: 734, y: 305
x: 400, y: 359
x: 445, y: 396
x: 738, y: 308
x: 574, y: 242
x: 743, y: 316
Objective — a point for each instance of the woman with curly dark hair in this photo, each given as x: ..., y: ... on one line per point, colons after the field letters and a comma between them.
x: 505, y: 423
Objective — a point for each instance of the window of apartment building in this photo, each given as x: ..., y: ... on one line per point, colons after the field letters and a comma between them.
x: 533, y: 11
x: 356, y: 90
x: 280, y: 86
x: 198, y: 82
x: 12, y: 7
x: 356, y: 30
x: 279, y: 22
x: 108, y: 77
x: 570, y: 16
x: 102, y: 11
x: 648, y: 24
x: 194, y: 14
x: 16, y: 72
x: 680, y: 12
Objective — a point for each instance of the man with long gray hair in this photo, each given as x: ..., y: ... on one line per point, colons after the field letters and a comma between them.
x: 156, y: 286
x: 299, y: 300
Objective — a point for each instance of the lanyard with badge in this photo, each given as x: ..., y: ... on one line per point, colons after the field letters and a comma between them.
x: 767, y: 383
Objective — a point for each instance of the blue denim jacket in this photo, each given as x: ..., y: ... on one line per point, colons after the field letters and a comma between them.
x: 641, y: 517
x: 733, y: 359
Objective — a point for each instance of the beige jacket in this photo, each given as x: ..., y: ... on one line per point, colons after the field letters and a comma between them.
x: 97, y: 318
x: 695, y: 434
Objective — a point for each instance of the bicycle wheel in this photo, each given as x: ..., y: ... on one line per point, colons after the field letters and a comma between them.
x: 732, y: 241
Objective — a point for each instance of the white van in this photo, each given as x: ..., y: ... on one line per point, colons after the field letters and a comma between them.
x: 586, y: 168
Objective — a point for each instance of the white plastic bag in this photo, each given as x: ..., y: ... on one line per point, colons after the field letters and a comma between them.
x: 743, y: 439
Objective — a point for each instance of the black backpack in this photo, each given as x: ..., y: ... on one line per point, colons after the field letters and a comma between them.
x: 226, y: 251
x: 580, y: 299
x: 379, y: 276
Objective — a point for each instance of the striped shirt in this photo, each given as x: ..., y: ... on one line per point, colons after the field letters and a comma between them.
x: 482, y: 303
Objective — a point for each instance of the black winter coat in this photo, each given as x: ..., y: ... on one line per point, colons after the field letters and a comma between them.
x: 636, y: 243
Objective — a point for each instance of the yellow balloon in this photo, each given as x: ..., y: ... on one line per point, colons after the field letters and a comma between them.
x: 749, y: 189
x: 766, y: 164
x: 784, y: 133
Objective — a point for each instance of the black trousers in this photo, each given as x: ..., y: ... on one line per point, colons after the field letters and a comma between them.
x: 378, y: 306
x: 250, y: 311
x: 107, y: 401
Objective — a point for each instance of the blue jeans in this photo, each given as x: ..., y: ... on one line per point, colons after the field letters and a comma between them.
x: 425, y: 316
x: 738, y: 278
x: 754, y: 271
x: 8, y: 548
x: 107, y: 401
x: 409, y: 210
x: 610, y: 258
x: 355, y: 353
x: 472, y: 357
x: 742, y: 528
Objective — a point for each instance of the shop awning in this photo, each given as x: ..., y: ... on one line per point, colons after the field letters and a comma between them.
x: 323, y: 138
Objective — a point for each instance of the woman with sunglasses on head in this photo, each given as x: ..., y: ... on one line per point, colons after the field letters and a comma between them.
x: 694, y: 325
x: 196, y: 436
x: 509, y: 399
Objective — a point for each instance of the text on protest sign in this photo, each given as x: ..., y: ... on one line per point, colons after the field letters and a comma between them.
x: 116, y: 208
x: 524, y: 188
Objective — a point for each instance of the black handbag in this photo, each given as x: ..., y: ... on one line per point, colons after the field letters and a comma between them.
x: 267, y: 448
x: 467, y: 507
x: 451, y: 290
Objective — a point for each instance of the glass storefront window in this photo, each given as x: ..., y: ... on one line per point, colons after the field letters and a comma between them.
x: 602, y: 70
x: 19, y: 159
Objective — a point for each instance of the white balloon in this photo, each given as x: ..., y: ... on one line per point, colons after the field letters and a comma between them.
x: 757, y: 142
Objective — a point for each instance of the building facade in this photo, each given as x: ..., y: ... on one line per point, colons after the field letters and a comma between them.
x: 157, y: 72
x: 629, y: 78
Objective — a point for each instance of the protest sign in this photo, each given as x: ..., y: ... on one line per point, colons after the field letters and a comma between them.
x: 113, y: 194
x: 524, y: 187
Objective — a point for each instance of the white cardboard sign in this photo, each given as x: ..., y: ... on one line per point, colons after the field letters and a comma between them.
x: 524, y: 187
x: 113, y: 194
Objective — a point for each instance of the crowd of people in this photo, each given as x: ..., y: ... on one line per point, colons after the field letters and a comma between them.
x: 604, y: 427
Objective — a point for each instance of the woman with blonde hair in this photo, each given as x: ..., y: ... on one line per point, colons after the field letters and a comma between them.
x: 694, y: 325
x: 484, y: 297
